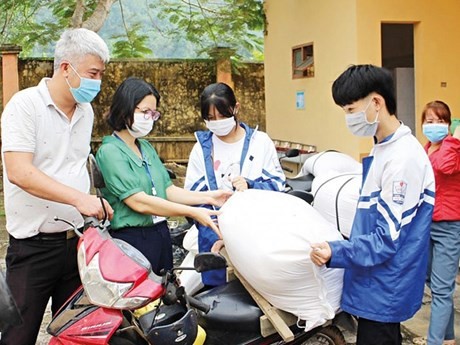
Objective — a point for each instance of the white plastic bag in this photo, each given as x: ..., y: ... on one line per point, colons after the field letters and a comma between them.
x: 190, y: 279
x: 327, y: 162
x: 267, y: 236
x: 336, y: 198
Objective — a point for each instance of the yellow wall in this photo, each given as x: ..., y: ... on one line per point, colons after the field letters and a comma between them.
x: 347, y: 32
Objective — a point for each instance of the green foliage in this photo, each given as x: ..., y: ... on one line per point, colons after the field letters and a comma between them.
x: 140, y: 28
x: 17, y: 23
x: 131, y: 45
x: 224, y: 23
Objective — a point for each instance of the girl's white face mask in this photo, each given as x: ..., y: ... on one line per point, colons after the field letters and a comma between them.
x: 141, y: 125
x: 221, y: 127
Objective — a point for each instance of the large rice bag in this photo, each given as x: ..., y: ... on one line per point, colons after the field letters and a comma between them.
x: 190, y: 279
x: 267, y: 236
x: 327, y: 162
x: 336, y: 198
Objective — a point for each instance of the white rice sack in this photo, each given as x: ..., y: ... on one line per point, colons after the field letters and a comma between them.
x: 267, y: 236
x: 190, y: 279
x: 327, y: 162
x: 336, y: 198
x: 190, y: 241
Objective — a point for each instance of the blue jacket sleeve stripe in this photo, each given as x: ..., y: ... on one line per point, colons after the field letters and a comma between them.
x: 429, y: 193
x: 393, y: 223
x: 367, y: 202
x: 197, y: 183
x: 368, y: 198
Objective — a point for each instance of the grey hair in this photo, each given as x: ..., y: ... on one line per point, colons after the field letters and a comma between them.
x: 75, y: 44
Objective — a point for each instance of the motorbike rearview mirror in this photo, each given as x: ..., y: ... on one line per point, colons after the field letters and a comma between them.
x: 209, y: 261
x: 9, y: 313
x: 292, y: 153
x: 97, y: 180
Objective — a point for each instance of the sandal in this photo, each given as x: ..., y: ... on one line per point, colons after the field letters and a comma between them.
x: 419, y: 341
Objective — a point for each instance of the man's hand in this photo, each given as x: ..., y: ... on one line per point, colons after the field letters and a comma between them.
x: 90, y: 205
x: 320, y: 253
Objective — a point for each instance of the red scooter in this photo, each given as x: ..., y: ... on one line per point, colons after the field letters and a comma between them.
x: 122, y: 301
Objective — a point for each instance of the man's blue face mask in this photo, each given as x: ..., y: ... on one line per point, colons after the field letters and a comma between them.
x: 88, y: 89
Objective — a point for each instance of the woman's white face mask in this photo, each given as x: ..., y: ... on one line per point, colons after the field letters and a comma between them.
x: 221, y: 127
x: 141, y: 125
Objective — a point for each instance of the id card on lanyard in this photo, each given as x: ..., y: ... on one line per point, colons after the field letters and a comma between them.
x: 156, y: 219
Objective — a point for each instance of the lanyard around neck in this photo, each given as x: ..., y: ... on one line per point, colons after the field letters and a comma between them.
x: 144, y: 163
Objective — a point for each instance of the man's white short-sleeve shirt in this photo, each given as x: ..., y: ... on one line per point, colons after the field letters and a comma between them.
x: 31, y: 122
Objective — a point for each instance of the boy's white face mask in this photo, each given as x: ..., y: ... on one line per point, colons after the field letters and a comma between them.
x: 358, y: 125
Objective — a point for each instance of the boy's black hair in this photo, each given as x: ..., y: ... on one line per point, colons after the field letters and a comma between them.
x: 221, y: 96
x: 125, y: 100
x: 358, y: 81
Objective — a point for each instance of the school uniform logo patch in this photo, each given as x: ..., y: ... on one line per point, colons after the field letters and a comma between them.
x: 399, y: 192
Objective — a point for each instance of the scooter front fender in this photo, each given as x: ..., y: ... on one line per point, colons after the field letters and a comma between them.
x: 96, y: 328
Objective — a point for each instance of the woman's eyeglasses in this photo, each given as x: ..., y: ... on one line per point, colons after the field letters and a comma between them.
x: 148, y: 113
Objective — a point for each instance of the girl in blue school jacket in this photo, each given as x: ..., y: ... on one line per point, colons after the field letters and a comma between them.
x: 231, y: 156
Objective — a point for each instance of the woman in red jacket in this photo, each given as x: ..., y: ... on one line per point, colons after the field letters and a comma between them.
x: 444, y: 152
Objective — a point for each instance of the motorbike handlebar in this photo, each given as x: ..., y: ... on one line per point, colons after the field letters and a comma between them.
x: 91, y: 221
x: 198, y: 304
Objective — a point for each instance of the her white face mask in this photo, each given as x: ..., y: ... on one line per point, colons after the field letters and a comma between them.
x: 141, y: 125
x: 221, y: 127
x: 358, y: 125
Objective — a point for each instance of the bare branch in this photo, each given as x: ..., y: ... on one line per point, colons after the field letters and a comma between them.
x: 200, y: 7
x: 151, y: 19
x: 214, y: 38
x: 123, y: 20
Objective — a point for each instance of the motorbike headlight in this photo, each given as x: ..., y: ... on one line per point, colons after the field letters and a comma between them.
x: 103, y: 292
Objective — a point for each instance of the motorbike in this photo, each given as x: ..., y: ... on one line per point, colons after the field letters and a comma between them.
x: 122, y: 302
x: 128, y: 306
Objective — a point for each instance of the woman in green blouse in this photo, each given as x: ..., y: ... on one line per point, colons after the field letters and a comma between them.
x: 137, y: 184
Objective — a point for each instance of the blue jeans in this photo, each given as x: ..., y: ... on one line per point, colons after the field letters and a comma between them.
x: 444, y: 259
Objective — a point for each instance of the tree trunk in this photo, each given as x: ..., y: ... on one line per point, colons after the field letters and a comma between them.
x: 77, y: 16
x: 97, y: 19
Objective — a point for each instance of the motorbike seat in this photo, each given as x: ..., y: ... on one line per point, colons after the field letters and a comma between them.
x: 300, y: 183
x: 232, y: 308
